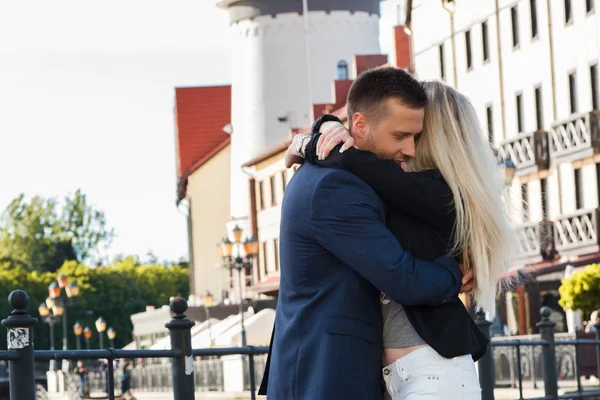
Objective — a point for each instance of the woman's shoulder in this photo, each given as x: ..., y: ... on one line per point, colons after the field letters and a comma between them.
x: 436, y: 177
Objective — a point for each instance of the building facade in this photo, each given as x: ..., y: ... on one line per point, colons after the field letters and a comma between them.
x: 530, y: 67
x: 203, y: 189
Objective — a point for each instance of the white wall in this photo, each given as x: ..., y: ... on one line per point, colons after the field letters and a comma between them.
x: 269, y: 78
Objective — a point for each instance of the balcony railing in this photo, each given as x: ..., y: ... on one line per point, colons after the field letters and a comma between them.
x: 529, y: 240
x: 526, y: 150
x: 577, y: 233
x: 536, y: 242
x: 576, y: 137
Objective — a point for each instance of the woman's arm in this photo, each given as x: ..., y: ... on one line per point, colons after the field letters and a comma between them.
x: 423, y: 195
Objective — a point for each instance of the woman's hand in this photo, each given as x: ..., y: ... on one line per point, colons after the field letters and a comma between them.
x: 332, y: 134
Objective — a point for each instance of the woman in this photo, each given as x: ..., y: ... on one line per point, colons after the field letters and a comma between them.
x: 429, y: 351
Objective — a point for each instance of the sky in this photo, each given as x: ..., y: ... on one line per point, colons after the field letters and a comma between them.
x: 86, y: 101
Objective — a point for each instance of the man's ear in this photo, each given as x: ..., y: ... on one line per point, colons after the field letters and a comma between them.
x: 359, y: 123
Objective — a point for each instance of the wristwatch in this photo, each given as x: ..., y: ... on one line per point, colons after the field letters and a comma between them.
x: 300, y: 145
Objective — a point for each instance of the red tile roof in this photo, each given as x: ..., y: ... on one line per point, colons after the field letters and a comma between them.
x: 200, y: 113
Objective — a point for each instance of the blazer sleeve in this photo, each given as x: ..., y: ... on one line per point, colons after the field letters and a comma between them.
x: 346, y: 217
x: 422, y: 195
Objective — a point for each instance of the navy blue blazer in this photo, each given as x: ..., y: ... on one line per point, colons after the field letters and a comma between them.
x: 336, y: 258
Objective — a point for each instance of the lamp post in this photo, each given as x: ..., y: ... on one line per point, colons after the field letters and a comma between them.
x: 87, y: 334
x: 242, y: 261
x: 111, y: 333
x: 208, y: 302
x: 78, y: 331
x: 71, y: 290
x: 101, y: 327
x: 51, y: 312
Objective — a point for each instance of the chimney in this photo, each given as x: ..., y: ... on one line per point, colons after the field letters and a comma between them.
x: 402, y: 50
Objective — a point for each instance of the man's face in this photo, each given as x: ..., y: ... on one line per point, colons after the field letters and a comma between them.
x: 392, y: 134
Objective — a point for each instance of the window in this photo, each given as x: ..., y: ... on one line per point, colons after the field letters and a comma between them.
x: 514, y: 18
x: 261, y: 194
x: 568, y: 12
x: 598, y: 180
x: 573, y: 92
x: 442, y: 66
x: 490, y: 123
x: 539, y: 114
x: 594, y: 85
x: 589, y: 5
x: 468, y: 47
x: 283, y: 180
x: 342, y: 70
x: 485, y: 41
x: 544, y: 194
x: 534, y: 21
x: 276, y: 253
x: 265, y: 266
x: 519, y: 102
x: 525, y: 200
x: 578, y: 189
x: 273, y: 191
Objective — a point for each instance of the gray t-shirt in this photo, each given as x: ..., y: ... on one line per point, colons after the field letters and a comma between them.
x: 397, y: 329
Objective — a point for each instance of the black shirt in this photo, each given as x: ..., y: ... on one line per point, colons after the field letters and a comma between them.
x: 421, y: 215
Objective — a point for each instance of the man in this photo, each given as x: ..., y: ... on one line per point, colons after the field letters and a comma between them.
x: 337, y: 256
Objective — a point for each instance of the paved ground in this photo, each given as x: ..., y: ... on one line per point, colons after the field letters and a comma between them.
x: 499, y: 394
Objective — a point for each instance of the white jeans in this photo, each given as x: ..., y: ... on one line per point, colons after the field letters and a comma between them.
x: 425, y: 375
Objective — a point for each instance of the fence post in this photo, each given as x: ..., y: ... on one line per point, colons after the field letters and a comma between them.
x: 548, y: 354
x: 597, y: 326
x: 182, y: 367
x: 20, y: 341
x: 485, y: 365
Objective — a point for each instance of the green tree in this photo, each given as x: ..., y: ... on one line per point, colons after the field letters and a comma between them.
x: 114, y: 293
x: 41, y: 234
x: 581, y: 291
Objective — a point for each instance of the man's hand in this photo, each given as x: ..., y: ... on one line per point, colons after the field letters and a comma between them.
x: 468, y: 282
x: 333, y: 133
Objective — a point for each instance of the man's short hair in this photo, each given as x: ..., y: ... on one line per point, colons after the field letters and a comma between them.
x: 370, y: 91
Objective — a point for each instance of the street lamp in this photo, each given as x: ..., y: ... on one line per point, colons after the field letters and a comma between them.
x: 87, y: 334
x: 242, y: 262
x: 50, y: 315
x: 101, y: 327
x: 208, y: 302
x: 78, y: 331
x: 56, y: 300
x: 111, y: 333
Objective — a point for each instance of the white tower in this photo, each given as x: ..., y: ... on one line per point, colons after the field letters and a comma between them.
x: 270, y: 79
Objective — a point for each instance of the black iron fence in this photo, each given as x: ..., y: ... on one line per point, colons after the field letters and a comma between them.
x: 547, y: 344
x: 22, y: 357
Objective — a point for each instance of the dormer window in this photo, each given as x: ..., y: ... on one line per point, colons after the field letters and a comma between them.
x: 342, y: 70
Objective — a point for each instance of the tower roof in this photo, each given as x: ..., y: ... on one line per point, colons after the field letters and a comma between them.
x: 246, y: 9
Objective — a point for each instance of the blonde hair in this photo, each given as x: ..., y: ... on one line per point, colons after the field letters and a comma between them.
x: 454, y: 143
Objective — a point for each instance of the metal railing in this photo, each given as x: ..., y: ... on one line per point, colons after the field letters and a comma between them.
x: 21, y: 355
x: 548, y: 344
